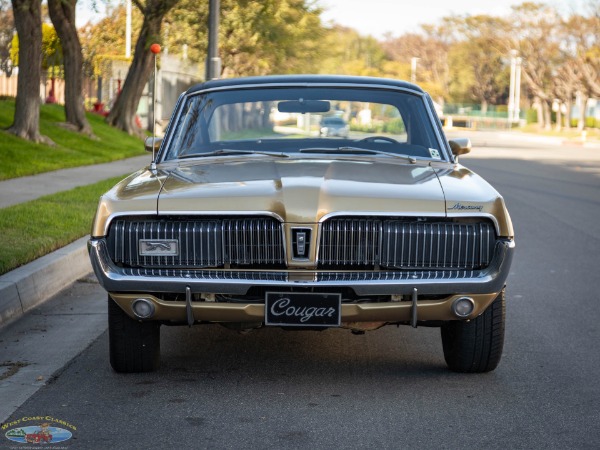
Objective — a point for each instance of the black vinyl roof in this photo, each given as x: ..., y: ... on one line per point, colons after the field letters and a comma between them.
x: 304, y: 80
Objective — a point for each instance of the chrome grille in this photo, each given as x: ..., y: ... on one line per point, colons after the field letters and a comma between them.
x: 202, y: 242
x: 350, y: 242
x: 406, y: 244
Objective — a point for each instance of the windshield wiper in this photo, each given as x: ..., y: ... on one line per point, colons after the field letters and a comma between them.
x: 357, y: 151
x: 227, y: 152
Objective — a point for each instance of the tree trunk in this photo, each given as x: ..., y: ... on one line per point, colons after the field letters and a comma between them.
x: 266, y: 115
x: 484, y: 107
x: 540, y: 112
x: 547, y: 115
x: 582, y: 112
x: 123, y: 111
x: 559, y: 118
x: 28, y: 22
x: 122, y: 114
x: 62, y: 13
x: 569, y: 106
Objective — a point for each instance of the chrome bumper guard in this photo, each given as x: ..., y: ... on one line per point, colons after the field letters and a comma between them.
x: 117, y: 279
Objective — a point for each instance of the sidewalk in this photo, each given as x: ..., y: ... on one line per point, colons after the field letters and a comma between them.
x: 24, y: 189
x: 30, y: 285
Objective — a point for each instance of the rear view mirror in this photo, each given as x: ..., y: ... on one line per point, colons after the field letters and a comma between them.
x: 152, y: 144
x: 460, y: 146
x: 304, y: 106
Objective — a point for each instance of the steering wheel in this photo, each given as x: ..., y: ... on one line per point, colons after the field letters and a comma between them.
x: 379, y: 138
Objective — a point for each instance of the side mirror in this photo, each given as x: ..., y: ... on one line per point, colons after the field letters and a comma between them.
x: 460, y: 146
x: 152, y: 144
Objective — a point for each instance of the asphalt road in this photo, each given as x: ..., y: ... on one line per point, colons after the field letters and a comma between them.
x: 385, y: 389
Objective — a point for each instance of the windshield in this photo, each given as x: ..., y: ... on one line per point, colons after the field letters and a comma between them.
x: 294, y: 120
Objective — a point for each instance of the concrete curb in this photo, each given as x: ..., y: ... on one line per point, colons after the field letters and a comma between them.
x: 32, y: 284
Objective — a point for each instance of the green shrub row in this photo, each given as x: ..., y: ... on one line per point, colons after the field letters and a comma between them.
x: 394, y: 126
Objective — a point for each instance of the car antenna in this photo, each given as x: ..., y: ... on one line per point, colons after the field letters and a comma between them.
x: 155, y: 49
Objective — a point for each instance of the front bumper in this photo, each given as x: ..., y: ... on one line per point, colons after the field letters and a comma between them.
x: 238, y: 282
x: 361, y: 316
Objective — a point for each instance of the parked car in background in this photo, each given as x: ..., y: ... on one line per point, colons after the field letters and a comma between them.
x: 245, y: 223
x: 334, y: 126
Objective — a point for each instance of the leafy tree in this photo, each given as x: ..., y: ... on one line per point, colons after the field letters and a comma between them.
x: 255, y: 38
x: 568, y: 79
x: 478, y: 71
x: 62, y: 13
x: 123, y: 112
x: 28, y: 22
x: 103, y: 43
x: 533, y: 35
x: 268, y: 37
x: 347, y: 52
x: 7, y: 28
x: 51, y: 50
x: 430, y: 47
x: 588, y: 50
x: 582, y: 70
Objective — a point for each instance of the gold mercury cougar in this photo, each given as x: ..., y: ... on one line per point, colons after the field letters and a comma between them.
x: 250, y: 216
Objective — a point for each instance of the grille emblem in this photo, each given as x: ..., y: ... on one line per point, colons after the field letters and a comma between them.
x: 301, y: 242
x: 156, y: 247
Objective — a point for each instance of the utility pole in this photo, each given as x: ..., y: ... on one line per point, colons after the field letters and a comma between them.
x: 213, y: 62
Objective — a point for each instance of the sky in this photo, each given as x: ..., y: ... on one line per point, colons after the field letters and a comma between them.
x: 377, y: 17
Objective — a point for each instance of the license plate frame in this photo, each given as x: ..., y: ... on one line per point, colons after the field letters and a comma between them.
x: 303, y: 309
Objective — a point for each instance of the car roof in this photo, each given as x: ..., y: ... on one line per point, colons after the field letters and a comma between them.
x: 303, y: 80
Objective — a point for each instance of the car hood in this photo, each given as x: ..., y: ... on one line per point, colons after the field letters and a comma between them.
x: 302, y: 190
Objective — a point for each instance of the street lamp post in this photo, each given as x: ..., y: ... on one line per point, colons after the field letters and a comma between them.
x: 413, y: 69
x: 213, y: 62
x: 128, y: 30
x: 514, y: 92
x: 511, y: 89
x: 517, y: 101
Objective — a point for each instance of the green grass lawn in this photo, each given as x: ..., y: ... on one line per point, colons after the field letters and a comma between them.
x: 19, y: 157
x: 33, y: 229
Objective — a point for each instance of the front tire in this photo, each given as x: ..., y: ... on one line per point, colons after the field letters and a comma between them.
x: 476, y: 346
x: 133, y: 346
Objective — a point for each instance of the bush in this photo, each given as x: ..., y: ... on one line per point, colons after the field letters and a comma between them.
x: 531, y: 115
x: 591, y: 122
x: 372, y: 128
x: 395, y: 126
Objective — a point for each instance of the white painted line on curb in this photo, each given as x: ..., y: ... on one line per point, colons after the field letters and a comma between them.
x: 32, y: 284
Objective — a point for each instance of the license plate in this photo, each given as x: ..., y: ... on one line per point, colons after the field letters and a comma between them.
x: 298, y: 309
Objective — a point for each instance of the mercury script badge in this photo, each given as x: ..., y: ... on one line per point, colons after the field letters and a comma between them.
x: 159, y: 247
x: 461, y: 207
